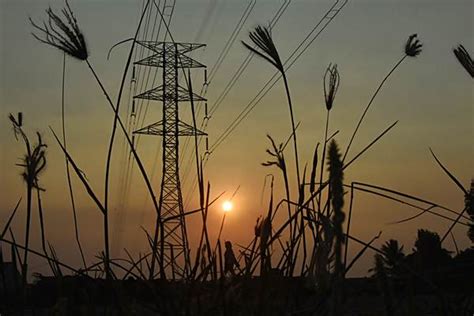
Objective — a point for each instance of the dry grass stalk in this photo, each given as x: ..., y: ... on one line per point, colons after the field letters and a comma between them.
x: 10, y: 219
x: 39, y: 254
x: 388, y: 194
x: 117, y: 120
x: 279, y: 161
x: 68, y: 173
x: 348, y: 267
x: 65, y: 35
x: 330, y: 85
x: 200, y: 175
x: 33, y: 163
x: 265, y: 48
x: 463, y: 190
x: 15, y: 252
x: 412, y: 49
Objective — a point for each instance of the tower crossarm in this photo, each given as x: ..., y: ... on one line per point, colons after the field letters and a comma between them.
x: 182, y: 48
x: 159, y: 94
x: 157, y: 60
x: 158, y: 130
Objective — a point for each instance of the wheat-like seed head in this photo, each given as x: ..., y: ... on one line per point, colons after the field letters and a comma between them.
x: 331, y: 84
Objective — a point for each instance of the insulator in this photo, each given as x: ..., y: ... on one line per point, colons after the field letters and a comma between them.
x: 133, y: 107
x: 207, y: 144
x: 205, y: 109
x: 133, y: 73
x: 20, y: 119
x: 205, y: 76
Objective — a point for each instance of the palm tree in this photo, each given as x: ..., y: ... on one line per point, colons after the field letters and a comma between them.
x: 68, y: 173
x: 384, y: 284
x: 392, y: 256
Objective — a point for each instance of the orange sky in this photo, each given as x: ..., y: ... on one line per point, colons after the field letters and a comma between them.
x: 431, y: 96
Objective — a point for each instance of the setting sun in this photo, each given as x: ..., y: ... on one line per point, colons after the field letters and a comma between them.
x: 227, y: 206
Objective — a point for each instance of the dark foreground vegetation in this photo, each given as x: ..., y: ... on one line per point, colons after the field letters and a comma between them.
x: 270, y: 295
x: 428, y: 281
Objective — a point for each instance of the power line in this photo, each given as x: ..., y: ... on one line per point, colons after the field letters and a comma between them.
x: 125, y: 173
x: 231, y: 39
x: 243, y: 66
x: 223, y: 54
x: 281, y: 10
x: 129, y: 122
x: 295, y: 55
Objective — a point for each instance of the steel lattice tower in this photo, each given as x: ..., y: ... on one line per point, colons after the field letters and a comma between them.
x: 171, y: 57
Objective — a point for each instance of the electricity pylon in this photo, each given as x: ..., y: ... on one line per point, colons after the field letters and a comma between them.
x: 171, y: 57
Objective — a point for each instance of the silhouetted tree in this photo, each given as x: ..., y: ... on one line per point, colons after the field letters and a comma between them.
x: 383, y: 282
x: 463, y: 263
x: 428, y: 252
x: 393, y: 257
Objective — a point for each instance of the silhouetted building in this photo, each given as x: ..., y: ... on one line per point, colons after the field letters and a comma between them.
x: 10, y: 278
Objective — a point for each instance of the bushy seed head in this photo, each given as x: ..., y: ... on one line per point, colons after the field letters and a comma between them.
x: 62, y: 33
x: 413, y: 46
x: 262, y: 39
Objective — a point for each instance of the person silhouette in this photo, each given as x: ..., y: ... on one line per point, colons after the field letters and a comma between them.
x: 203, y: 260
x: 230, y: 262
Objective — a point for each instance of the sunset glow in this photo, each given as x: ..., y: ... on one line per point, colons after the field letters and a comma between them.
x: 227, y: 206
x: 175, y: 154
